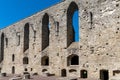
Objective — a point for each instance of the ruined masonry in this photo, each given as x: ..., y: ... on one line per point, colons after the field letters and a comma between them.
x: 30, y: 45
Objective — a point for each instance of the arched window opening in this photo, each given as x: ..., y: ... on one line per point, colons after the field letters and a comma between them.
x: 13, y: 70
x: 84, y: 73
x: 45, y: 61
x: 13, y: 57
x: 6, y: 39
x: 63, y: 73
x: 45, y: 31
x: 72, y: 23
x: 73, y: 60
x: 2, y: 48
x: 26, y: 37
x: 25, y: 60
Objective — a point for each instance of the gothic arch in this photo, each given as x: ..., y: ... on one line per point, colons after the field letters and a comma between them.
x: 45, y: 31
x: 26, y: 36
x: 71, y: 33
x: 2, y: 47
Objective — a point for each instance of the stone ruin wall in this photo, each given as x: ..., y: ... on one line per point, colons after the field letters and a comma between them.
x: 98, y: 48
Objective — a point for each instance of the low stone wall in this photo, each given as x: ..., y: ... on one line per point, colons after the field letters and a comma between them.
x: 16, y: 78
x: 115, y: 78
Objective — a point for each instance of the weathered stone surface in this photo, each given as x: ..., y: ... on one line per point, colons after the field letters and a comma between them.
x: 16, y: 78
x: 98, y: 48
x: 115, y: 78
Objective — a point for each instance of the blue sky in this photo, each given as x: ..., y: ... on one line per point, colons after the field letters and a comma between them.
x: 12, y: 11
x: 76, y: 25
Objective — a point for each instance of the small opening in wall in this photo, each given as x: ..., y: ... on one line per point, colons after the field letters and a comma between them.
x: 100, y: 9
x: 6, y: 42
x: 0, y: 70
x: 104, y: 74
x: 44, y: 70
x: 115, y: 72
x: 118, y: 22
x: 13, y: 70
x: 106, y: 43
x: 107, y: 54
x: 117, y: 28
x: 13, y: 57
x: 34, y: 35
x: 86, y: 2
x: 73, y: 60
x: 45, y: 61
x: 99, y: 34
x: 57, y: 54
x: 81, y: 46
x: 63, y: 73
x: 25, y: 60
x: 117, y: 5
x: 31, y: 69
x: 18, y: 40
x: 72, y: 70
x: 57, y: 28
x: 34, y: 56
x: 91, y: 18
x: 25, y: 69
x: 84, y: 74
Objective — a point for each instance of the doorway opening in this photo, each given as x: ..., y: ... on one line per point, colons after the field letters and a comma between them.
x: 83, y: 73
x: 63, y: 73
x: 104, y: 74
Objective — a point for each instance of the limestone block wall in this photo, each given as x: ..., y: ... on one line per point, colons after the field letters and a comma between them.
x: 98, y: 48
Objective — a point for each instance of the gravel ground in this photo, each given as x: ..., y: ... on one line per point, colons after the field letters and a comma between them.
x: 38, y: 77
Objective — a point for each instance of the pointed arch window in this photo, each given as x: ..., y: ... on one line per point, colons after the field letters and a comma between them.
x: 72, y: 23
x: 26, y: 36
x: 2, y: 48
x: 45, y: 31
